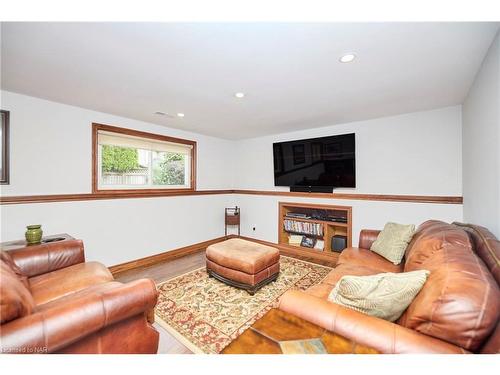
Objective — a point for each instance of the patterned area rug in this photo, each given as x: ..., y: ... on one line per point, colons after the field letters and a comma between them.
x: 206, y: 315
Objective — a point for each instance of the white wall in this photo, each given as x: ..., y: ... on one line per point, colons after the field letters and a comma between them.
x: 481, y: 140
x: 51, y: 154
x: 418, y: 153
x: 120, y: 230
x: 51, y: 147
x: 414, y: 154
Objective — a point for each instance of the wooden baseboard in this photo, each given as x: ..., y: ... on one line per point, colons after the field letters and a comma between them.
x: 201, y: 246
x: 165, y: 256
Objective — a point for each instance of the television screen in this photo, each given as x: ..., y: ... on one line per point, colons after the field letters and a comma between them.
x: 316, y: 162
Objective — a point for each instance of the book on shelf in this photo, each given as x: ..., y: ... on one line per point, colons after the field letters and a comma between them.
x: 315, y: 229
x: 295, y: 240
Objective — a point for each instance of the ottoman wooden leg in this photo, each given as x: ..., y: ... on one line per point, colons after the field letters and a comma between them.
x: 251, y: 289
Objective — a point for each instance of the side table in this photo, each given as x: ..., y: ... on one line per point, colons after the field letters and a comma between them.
x: 20, y: 244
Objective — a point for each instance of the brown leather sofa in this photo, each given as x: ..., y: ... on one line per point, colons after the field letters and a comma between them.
x: 52, y: 301
x: 457, y: 310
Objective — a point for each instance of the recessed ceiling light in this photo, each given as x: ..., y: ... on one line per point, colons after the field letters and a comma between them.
x: 348, y: 57
x: 240, y: 95
x: 180, y: 115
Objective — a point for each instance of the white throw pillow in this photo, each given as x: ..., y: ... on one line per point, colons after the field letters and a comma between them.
x: 392, y: 241
x: 385, y: 295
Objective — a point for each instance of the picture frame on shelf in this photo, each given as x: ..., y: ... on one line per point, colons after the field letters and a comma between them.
x: 319, y: 245
x: 307, y: 242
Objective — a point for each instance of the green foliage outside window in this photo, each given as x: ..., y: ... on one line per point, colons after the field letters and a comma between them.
x: 119, y: 159
x: 168, y: 169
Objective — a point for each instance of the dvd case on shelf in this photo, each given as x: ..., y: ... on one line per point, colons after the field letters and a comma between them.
x: 315, y: 229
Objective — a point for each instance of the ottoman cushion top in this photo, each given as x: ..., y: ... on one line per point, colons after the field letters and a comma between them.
x: 246, y: 256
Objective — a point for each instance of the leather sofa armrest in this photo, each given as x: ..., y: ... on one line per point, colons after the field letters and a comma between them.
x: 40, y: 259
x: 367, y: 237
x: 382, y: 335
x: 50, y: 330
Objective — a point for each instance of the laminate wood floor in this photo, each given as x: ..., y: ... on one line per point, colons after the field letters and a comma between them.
x: 159, y: 273
x: 164, y: 271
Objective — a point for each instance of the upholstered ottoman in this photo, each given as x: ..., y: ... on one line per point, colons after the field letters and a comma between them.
x: 243, y: 264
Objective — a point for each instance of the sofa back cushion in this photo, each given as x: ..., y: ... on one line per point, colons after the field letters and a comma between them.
x: 486, y: 246
x: 5, y: 256
x: 16, y: 300
x: 460, y: 302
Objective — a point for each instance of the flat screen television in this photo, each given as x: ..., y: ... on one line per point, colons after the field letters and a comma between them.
x: 316, y: 164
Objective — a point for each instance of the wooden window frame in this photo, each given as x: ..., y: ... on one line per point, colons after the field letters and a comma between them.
x: 137, y: 133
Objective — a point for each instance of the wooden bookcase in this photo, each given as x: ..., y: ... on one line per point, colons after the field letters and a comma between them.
x: 330, y: 228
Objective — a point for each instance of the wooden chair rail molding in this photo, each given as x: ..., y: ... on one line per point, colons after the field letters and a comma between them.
x: 25, y: 199
x: 364, y: 197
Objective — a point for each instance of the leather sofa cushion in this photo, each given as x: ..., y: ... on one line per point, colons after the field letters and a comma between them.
x: 16, y: 300
x: 367, y: 258
x: 245, y: 256
x: 460, y: 302
x: 38, y: 259
x: 348, y: 269
x: 56, y: 284
x: 321, y: 290
x: 133, y: 335
x: 492, y: 345
x: 385, y: 295
x: 5, y: 256
x: 98, y: 288
x: 486, y: 245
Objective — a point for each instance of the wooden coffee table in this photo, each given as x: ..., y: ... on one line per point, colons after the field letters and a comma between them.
x: 278, y: 332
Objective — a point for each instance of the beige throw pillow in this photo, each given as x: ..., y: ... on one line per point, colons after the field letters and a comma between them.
x: 385, y: 296
x: 391, y: 243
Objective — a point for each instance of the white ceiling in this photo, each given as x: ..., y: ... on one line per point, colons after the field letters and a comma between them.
x: 289, y: 72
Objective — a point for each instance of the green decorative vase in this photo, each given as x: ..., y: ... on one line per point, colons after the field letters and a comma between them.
x: 33, y: 234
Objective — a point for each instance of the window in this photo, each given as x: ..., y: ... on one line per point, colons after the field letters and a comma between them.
x: 127, y: 159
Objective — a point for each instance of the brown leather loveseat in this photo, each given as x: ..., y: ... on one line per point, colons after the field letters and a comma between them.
x: 52, y: 301
x: 457, y: 310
